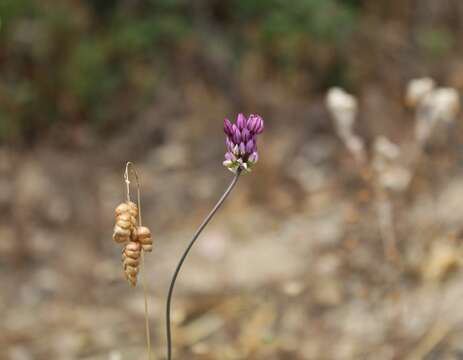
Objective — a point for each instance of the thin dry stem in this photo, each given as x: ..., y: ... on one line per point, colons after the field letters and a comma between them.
x: 437, y: 334
x: 145, y: 295
x: 385, y: 213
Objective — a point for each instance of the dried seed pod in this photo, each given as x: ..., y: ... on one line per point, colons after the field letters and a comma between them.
x: 131, y: 261
x: 128, y: 261
x: 131, y: 270
x: 126, y: 222
x: 132, y: 279
x: 145, y: 238
x: 132, y: 254
x: 127, y: 207
x: 132, y: 249
x: 121, y: 235
x: 134, y: 234
x: 133, y: 209
x: 122, y: 208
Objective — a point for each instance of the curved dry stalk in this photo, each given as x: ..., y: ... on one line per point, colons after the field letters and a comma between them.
x: 184, y: 256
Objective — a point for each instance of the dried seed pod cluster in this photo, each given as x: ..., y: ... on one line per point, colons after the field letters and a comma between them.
x: 131, y: 261
x: 145, y: 239
x: 134, y: 238
x: 126, y: 222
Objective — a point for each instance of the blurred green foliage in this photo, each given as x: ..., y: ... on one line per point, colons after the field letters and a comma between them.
x: 321, y: 19
x: 435, y: 42
x: 99, y: 62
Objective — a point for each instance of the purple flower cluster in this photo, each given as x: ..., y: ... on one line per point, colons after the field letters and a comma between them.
x: 241, y: 142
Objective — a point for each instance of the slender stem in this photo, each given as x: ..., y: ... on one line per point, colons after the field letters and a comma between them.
x: 145, y: 296
x: 184, y: 256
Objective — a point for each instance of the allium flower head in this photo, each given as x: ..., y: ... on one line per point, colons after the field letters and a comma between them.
x: 241, y: 142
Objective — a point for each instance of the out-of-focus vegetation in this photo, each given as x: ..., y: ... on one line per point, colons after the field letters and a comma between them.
x: 100, y: 62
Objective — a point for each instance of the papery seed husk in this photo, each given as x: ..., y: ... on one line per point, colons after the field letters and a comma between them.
x: 132, y: 246
x: 135, y: 254
x: 122, y: 208
x: 120, y: 230
x: 147, y: 244
x: 143, y: 233
x: 128, y: 261
x: 145, y: 240
x: 131, y: 270
x: 120, y: 238
x: 133, y: 209
x: 134, y: 235
x: 130, y: 276
x: 124, y: 224
x: 144, y: 237
x: 147, y: 247
x: 124, y: 216
x: 132, y: 249
x: 132, y: 280
x: 126, y: 221
x: 143, y: 230
x: 132, y: 254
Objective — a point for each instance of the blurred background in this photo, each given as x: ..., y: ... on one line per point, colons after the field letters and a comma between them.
x: 293, y: 267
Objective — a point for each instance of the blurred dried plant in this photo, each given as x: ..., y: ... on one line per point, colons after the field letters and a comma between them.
x: 433, y: 106
x: 344, y: 108
x: 389, y: 175
x: 381, y: 170
x: 389, y: 169
x: 391, y: 172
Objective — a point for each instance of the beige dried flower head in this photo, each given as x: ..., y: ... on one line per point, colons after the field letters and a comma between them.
x: 439, y: 106
x: 444, y: 103
x: 385, y: 148
x: 343, y: 107
x: 417, y: 89
x: 391, y: 173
